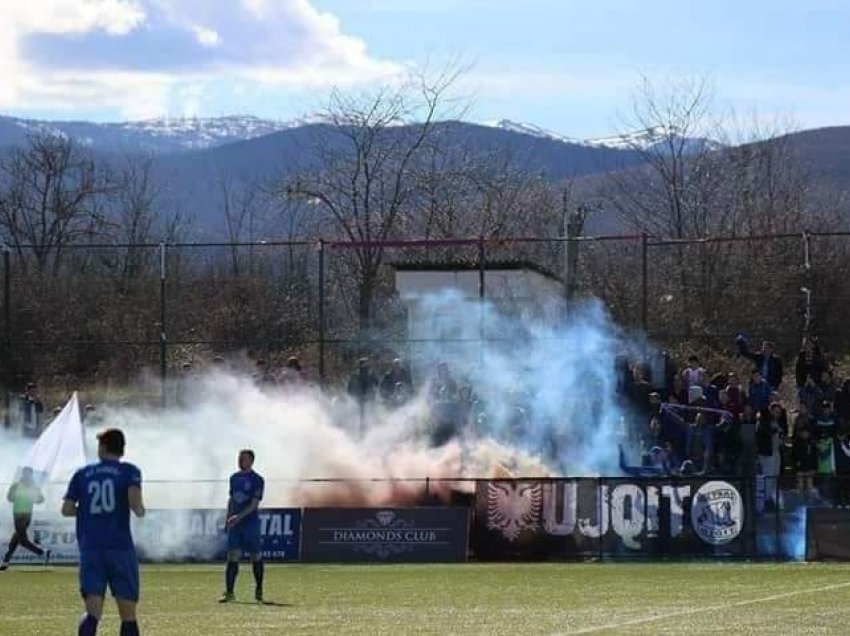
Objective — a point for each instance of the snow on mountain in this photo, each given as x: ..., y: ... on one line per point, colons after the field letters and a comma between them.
x: 196, y: 133
x: 637, y: 140
x: 530, y: 129
x: 167, y: 135
x: 158, y: 136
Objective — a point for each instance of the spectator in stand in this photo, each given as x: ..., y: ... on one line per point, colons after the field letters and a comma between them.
x: 810, y: 363
x: 828, y: 388
x: 91, y: 417
x: 804, y: 419
x: 693, y: 374
x: 783, y: 414
x: 31, y: 411
x: 651, y: 435
x: 769, y: 439
x: 825, y: 441
x: 667, y: 428
x: 396, y: 386
x: 842, y: 403
x: 695, y: 396
x: 737, y: 394
x: 748, y: 454
x: 639, y: 391
x: 805, y: 455
x: 293, y: 375
x: 678, y: 392
x: 699, y: 447
x: 760, y: 392
x: 443, y: 385
x: 825, y: 423
x: 622, y: 375
x: 361, y: 387
x: 811, y: 395
x: 711, y: 392
x: 726, y: 438
x: 766, y: 361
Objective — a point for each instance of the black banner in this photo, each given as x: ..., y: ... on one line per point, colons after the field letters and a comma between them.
x: 397, y: 535
x: 610, y: 518
x: 827, y: 534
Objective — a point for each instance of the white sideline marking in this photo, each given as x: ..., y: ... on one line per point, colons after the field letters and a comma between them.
x: 710, y: 608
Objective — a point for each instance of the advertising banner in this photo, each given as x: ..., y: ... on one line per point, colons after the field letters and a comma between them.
x: 610, y: 517
x: 165, y: 536
x: 55, y: 533
x: 385, y: 535
x: 199, y: 535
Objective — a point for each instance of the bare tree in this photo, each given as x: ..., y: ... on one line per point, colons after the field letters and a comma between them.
x: 50, y: 196
x: 368, y: 169
x: 240, y: 205
x: 700, y: 181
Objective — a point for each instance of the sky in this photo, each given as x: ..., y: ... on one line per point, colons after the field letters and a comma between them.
x: 572, y: 67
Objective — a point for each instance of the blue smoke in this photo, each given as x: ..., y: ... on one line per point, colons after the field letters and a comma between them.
x: 546, y: 385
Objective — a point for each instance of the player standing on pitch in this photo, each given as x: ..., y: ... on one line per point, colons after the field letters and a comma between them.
x: 23, y: 495
x: 101, y: 497
x: 243, y: 525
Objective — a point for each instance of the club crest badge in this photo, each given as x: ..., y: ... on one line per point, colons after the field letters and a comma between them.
x: 717, y: 513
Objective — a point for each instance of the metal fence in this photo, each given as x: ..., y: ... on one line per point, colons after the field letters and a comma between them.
x: 101, y: 314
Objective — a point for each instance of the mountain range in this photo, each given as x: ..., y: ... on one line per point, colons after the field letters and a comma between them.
x: 167, y: 135
x: 194, y: 153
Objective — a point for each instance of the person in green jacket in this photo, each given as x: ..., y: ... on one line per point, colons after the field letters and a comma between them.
x: 23, y: 495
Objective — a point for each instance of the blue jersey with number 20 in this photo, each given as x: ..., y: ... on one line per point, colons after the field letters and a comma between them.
x: 103, y: 506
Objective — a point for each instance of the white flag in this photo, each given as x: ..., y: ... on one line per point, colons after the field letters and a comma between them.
x: 60, y: 449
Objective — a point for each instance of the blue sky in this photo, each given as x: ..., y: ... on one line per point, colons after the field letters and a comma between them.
x: 568, y: 66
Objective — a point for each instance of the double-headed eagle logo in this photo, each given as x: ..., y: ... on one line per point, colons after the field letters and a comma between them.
x: 513, y: 507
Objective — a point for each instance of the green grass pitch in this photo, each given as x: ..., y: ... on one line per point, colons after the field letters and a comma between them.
x: 589, y: 598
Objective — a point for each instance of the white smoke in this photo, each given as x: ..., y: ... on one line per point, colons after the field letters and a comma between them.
x: 547, y: 393
x: 547, y: 405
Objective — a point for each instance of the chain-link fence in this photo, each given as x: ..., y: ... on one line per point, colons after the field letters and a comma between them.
x: 102, y: 315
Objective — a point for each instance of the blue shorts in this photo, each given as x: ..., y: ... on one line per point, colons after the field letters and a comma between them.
x: 245, y: 537
x: 117, y: 568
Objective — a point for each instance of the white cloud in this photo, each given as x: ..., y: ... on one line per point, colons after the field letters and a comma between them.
x: 207, y: 37
x: 156, y: 57
x: 116, y: 17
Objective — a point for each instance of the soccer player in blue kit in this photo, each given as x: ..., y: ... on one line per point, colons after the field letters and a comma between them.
x: 101, y: 497
x: 243, y: 525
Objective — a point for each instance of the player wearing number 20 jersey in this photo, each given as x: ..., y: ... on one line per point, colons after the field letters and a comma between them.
x: 101, y: 497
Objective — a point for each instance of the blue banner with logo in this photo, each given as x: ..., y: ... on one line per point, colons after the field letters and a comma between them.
x: 385, y: 535
x: 200, y: 536
x: 622, y: 517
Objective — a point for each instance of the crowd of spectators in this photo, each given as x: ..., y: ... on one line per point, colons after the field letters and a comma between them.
x: 694, y: 421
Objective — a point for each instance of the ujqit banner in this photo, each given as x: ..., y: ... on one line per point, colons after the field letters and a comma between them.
x: 611, y: 517
x: 56, y: 533
x: 199, y: 535
x: 385, y: 535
